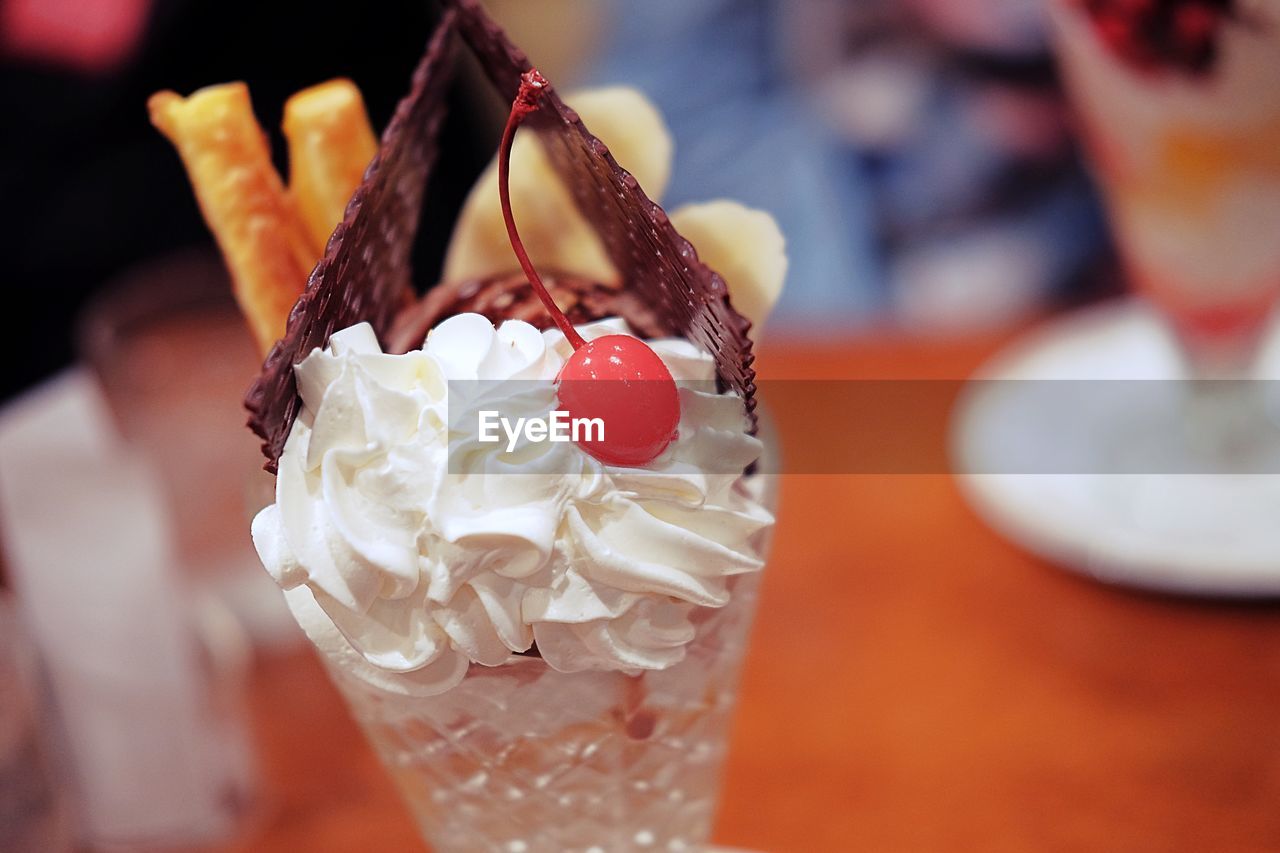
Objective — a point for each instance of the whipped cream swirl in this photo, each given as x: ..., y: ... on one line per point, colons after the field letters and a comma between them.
x: 410, y: 567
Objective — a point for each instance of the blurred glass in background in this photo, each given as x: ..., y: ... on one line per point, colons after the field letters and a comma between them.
x: 35, y: 791
x: 147, y: 673
x: 171, y: 352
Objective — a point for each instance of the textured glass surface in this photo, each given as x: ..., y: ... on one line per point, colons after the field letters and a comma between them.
x: 523, y: 758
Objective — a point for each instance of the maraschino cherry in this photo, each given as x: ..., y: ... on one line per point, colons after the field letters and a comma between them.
x: 616, y: 378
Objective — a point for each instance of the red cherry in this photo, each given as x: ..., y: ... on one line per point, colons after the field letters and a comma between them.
x: 621, y: 381
x: 615, y: 378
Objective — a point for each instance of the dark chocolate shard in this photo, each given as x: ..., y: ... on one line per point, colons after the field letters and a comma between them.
x: 366, y: 266
x: 661, y: 267
x: 509, y: 296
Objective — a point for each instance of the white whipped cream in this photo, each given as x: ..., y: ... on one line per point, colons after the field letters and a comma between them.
x: 408, y: 569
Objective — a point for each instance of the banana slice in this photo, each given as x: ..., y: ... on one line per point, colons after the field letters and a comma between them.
x: 634, y: 130
x: 743, y: 245
x: 555, y: 234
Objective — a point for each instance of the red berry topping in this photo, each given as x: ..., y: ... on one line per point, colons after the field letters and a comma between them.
x: 616, y: 378
x: 1161, y: 34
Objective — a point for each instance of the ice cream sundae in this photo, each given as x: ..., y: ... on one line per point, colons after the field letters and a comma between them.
x: 540, y: 638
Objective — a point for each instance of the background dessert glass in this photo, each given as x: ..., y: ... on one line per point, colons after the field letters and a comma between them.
x: 1162, y: 485
x: 521, y: 757
x: 1189, y: 163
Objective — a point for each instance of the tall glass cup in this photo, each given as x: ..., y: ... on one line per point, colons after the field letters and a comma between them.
x: 523, y: 758
x: 1188, y: 159
x: 1189, y: 164
x: 520, y: 757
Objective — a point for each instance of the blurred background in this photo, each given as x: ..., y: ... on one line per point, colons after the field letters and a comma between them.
x: 942, y: 170
x: 916, y: 153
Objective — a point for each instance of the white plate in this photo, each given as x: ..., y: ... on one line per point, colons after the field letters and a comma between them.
x: 1204, y: 534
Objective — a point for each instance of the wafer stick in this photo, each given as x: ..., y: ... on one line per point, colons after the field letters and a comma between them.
x: 366, y: 267
x: 242, y: 198
x: 330, y: 144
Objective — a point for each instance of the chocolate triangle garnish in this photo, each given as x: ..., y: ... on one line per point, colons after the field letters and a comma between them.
x: 365, y: 272
x: 654, y: 261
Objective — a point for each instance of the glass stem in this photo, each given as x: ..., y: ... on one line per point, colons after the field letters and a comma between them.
x: 1225, y: 421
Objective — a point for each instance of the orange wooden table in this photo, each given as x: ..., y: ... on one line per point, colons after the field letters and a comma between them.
x: 914, y: 683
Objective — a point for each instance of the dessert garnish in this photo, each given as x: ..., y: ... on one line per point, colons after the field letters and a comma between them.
x: 367, y: 260
x: 614, y: 378
x: 656, y: 261
x: 1154, y: 35
x: 605, y: 247
x: 410, y: 551
x: 271, y: 234
x: 365, y: 272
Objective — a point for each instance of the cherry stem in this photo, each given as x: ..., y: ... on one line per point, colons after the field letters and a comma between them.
x: 532, y: 86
